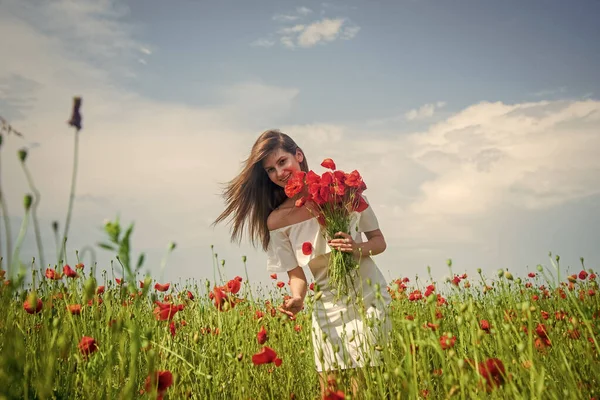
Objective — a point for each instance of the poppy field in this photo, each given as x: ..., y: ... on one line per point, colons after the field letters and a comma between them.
x: 68, y: 336
x: 78, y: 330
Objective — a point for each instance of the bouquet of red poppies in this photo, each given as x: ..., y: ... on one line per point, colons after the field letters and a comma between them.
x: 337, y: 195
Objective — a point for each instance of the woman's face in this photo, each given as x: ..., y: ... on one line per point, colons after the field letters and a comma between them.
x: 280, y: 165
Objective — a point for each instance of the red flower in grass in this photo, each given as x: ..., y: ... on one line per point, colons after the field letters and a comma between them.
x: 484, y: 325
x: 262, y: 336
x: 265, y: 356
x: 28, y: 305
x: 87, y: 345
x: 162, y: 287
x: 531, y: 274
x: 331, y: 395
x: 274, y: 276
x: 582, y: 275
x: 493, y: 371
x: 74, y: 309
x: 190, y: 295
x: 312, y: 286
x: 447, y: 342
x: 328, y: 163
x: 79, y: 266
x: 280, y: 284
x: 69, y: 272
x: 161, y: 381
x: 165, y: 311
x: 100, y: 290
x: 541, y: 331
x: 307, y: 248
x: 233, y: 286
x: 53, y: 274
x: 119, y: 281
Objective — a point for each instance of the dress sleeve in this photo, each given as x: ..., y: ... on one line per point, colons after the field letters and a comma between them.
x: 367, y: 221
x: 280, y: 255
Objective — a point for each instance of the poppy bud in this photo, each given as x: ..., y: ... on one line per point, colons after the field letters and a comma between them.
x: 508, y: 276
x: 243, y: 259
x: 540, y: 268
x: 27, y: 201
x: 500, y: 273
x: 55, y: 226
x: 22, y: 154
x: 172, y: 246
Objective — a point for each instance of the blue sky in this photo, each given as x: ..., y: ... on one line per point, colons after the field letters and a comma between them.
x: 474, y: 123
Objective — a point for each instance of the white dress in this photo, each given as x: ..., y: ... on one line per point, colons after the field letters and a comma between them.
x: 346, y: 333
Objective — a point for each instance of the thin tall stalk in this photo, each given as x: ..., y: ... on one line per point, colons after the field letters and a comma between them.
x: 21, y: 237
x: 71, y: 197
x: 36, y: 201
x: 6, y: 224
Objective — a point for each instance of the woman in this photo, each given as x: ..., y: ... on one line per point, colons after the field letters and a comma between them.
x: 347, y: 332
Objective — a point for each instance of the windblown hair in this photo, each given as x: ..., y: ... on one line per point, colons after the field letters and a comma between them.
x: 252, y: 196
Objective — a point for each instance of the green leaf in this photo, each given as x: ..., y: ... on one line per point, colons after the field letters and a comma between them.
x: 106, y: 246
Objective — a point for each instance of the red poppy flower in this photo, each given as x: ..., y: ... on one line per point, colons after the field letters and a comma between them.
x: 541, y: 331
x: 160, y: 380
x: 52, y: 274
x: 267, y: 355
x: 307, y: 248
x: 100, y: 290
x: 29, y: 307
x: 190, y: 295
x: 328, y: 163
x: 74, y: 309
x: 162, y: 287
x: 531, y: 274
x: 447, y: 342
x: 331, y: 395
x: 258, y: 314
x: 233, y: 286
x: 312, y: 286
x: 87, y: 345
x: 359, y: 204
x: 119, y: 281
x: 484, y: 325
x: 493, y: 371
x: 172, y: 328
x: 164, y: 311
x: 280, y: 284
x: 295, y: 184
x: 273, y: 276
x: 69, y: 272
x: 219, y: 297
x: 583, y: 274
x: 262, y: 336
x: 79, y: 266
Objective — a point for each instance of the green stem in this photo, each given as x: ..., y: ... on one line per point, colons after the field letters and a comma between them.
x: 7, y: 229
x: 20, y: 239
x: 36, y: 201
x: 71, y: 196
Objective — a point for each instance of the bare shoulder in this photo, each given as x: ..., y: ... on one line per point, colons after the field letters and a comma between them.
x: 279, y: 216
x: 274, y: 220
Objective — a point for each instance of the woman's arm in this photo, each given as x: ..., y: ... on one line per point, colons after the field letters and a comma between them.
x: 298, y: 287
x: 374, y: 245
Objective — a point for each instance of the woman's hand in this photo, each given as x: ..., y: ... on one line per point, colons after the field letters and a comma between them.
x: 292, y: 306
x: 345, y: 243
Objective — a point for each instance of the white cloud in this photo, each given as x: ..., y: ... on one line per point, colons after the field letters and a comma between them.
x: 292, y: 29
x: 310, y: 33
x: 262, y: 43
x: 326, y: 30
x: 285, y: 18
x: 425, y: 111
x: 303, y: 10
x: 145, y: 50
x: 287, y: 41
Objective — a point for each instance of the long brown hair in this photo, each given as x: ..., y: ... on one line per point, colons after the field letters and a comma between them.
x: 251, y: 196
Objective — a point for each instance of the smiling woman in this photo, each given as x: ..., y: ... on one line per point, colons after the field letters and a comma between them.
x: 345, y: 332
